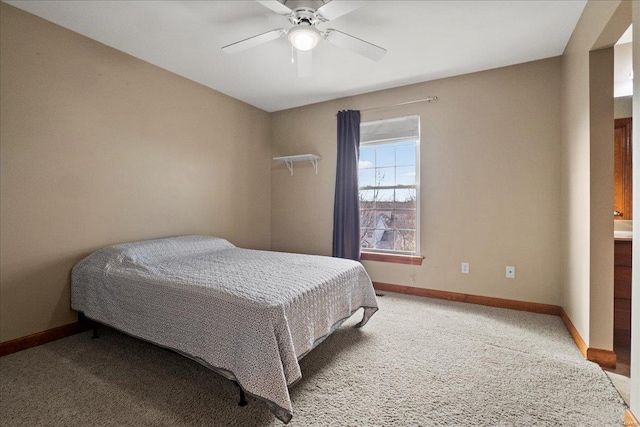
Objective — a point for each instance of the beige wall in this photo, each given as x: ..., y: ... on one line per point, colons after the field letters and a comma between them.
x: 490, y: 181
x: 587, y: 183
x: 601, y: 197
x: 98, y: 147
x: 622, y: 107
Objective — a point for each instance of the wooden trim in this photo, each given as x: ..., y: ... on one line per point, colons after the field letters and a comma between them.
x: 630, y: 419
x: 397, y: 258
x: 604, y: 358
x: 532, y: 307
x: 574, y: 333
x: 43, y: 337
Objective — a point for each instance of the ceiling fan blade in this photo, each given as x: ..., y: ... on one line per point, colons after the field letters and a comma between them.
x: 254, y: 41
x: 336, y: 8
x: 355, y: 44
x: 276, y: 6
x: 305, y: 63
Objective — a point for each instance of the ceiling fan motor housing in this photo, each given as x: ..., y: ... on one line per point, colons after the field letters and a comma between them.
x: 306, y: 16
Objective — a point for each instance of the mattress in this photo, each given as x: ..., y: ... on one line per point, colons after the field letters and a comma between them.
x: 248, y: 313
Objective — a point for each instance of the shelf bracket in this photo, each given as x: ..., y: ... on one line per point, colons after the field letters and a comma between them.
x: 289, y: 164
x: 314, y: 163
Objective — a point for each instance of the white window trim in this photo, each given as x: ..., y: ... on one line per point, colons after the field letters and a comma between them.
x: 415, y: 138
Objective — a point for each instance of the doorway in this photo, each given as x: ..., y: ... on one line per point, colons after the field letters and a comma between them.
x: 623, y: 245
x: 623, y: 201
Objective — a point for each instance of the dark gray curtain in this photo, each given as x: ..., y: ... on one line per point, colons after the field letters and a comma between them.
x: 346, y: 210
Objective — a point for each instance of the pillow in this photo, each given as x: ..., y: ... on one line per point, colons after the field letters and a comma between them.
x: 162, y: 249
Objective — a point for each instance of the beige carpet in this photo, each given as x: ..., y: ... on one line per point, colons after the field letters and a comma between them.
x: 419, y: 362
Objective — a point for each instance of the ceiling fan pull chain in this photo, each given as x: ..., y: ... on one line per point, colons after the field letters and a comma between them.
x: 292, y: 60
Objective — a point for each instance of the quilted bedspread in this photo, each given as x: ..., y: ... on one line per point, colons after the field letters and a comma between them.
x: 250, y: 313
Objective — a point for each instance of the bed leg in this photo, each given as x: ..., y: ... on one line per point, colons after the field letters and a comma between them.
x: 243, y: 397
x: 95, y: 331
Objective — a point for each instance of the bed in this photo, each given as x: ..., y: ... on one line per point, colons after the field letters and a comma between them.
x: 249, y: 315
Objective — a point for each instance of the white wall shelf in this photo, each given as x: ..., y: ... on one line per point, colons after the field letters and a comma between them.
x: 289, y: 160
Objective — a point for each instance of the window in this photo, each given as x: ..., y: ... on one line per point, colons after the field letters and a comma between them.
x: 388, y: 177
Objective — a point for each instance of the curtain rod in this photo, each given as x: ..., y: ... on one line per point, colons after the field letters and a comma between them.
x: 427, y: 99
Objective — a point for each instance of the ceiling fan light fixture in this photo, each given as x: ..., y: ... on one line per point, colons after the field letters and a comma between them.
x: 304, y: 38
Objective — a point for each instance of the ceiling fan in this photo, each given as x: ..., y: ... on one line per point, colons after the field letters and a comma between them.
x: 304, y: 36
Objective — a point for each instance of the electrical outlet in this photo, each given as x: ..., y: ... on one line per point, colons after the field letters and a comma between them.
x: 511, y: 272
x: 465, y: 268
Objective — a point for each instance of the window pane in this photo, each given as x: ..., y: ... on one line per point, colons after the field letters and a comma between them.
x: 366, y: 177
x: 405, y: 219
x: 406, y: 195
x: 385, y: 156
x: 367, y: 218
x: 383, y: 218
x: 385, y: 196
x: 367, y: 157
x: 366, y: 196
x: 406, y: 155
x: 405, y: 241
x: 367, y: 239
x: 385, y: 177
x: 384, y: 238
x: 406, y: 175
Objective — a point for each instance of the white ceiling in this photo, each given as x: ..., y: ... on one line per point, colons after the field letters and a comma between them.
x: 425, y: 40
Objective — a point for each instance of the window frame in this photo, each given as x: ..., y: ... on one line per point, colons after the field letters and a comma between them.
x: 386, y: 255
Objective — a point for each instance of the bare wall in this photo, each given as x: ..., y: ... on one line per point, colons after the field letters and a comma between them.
x: 98, y: 147
x: 622, y: 107
x: 587, y: 165
x: 490, y: 181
